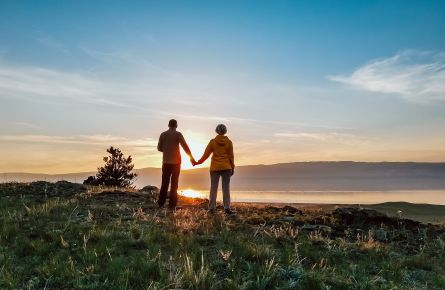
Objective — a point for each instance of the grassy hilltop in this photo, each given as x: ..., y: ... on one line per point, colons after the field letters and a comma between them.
x: 65, y: 236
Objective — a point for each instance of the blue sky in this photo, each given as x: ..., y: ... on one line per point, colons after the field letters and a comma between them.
x: 293, y: 80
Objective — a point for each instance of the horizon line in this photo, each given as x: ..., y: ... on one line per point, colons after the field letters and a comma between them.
x: 260, y: 164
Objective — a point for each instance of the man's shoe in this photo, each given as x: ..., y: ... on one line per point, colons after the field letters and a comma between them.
x: 174, y: 208
x: 229, y: 212
x: 211, y: 211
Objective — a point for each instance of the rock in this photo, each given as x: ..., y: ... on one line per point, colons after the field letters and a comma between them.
x: 287, y: 218
x: 323, y: 228
x: 149, y: 188
x: 273, y: 209
x: 45, y: 189
x: 359, y: 231
x: 381, y: 235
x: 369, y: 219
x: 291, y: 209
x: 357, y: 216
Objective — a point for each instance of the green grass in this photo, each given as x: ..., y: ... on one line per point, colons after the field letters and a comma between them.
x: 89, y: 240
x: 420, y: 212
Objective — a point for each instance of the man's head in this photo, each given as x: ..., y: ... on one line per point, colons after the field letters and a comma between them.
x: 221, y: 129
x: 172, y: 123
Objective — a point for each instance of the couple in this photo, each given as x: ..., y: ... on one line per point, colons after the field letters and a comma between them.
x: 222, y: 164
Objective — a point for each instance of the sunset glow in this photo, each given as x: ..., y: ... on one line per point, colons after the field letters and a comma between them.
x: 239, y: 138
x: 192, y: 193
x: 307, y: 85
x: 197, y: 144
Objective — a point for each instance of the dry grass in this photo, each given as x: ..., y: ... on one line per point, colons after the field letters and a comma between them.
x: 121, y: 240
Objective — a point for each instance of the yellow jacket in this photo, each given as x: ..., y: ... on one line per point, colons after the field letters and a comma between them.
x: 222, y: 149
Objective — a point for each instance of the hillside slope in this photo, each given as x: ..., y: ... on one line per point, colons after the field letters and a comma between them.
x: 342, y: 175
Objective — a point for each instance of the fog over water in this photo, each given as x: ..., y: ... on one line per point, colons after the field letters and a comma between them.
x: 303, y: 182
x: 332, y: 197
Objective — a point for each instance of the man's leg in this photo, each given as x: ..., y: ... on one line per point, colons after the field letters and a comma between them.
x: 166, y: 172
x: 225, y: 177
x: 176, y: 170
x: 214, y: 180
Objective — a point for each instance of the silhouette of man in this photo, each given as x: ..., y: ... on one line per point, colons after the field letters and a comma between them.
x: 168, y: 144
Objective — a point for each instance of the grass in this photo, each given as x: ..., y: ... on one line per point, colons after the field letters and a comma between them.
x: 61, y: 237
x: 421, y: 212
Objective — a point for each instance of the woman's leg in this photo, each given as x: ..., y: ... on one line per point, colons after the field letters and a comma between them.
x: 214, y: 180
x: 225, y: 176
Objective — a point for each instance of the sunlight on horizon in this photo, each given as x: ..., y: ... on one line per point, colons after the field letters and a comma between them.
x: 192, y: 193
x: 197, y: 144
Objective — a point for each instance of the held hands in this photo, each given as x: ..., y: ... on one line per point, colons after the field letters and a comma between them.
x: 193, y: 161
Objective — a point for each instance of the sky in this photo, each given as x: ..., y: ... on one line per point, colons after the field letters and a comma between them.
x: 292, y: 80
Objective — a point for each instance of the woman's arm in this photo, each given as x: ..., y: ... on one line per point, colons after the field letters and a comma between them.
x: 232, y: 157
x: 207, y: 153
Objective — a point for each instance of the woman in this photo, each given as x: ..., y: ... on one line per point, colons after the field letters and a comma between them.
x: 222, y: 165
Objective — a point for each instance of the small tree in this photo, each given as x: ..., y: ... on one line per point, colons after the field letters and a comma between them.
x: 91, y: 180
x: 115, y: 172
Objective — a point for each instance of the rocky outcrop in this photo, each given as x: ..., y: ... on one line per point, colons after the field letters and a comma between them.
x: 368, y: 217
x: 43, y: 188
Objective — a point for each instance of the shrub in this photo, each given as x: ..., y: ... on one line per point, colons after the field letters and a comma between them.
x: 115, y: 172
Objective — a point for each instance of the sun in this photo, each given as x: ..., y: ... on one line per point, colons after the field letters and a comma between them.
x: 191, y: 193
x: 197, y: 145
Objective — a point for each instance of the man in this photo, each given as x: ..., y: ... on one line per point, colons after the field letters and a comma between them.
x: 168, y: 144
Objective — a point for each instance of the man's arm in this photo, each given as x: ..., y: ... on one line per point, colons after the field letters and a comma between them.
x: 161, y: 144
x: 184, y: 145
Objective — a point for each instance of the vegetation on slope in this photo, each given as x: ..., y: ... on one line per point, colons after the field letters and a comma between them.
x: 93, y: 239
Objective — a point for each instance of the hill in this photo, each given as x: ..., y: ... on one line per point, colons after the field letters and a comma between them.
x: 421, y: 212
x: 342, y: 175
x: 68, y: 236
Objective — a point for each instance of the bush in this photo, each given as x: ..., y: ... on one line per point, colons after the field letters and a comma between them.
x: 115, y: 172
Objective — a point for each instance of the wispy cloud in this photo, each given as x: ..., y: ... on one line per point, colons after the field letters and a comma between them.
x: 37, y: 83
x: 115, y: 57
x: 417, y: 76
x: 31, y: 81
x: 52, y: 43
x: 28, y: 125
x: 103, y: 140
x: 58, y: 153
x: 195, y: 116
x: 255, y: 122
x: 331, y: 137
x: 34, y: 83
x: 274, y: 123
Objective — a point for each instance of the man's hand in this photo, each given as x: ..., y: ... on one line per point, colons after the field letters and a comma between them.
x: 193, y: 161
x: 233, y: 172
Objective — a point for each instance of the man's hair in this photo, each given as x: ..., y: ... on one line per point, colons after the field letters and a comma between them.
x: 221, y: 129
x: 172, y: 123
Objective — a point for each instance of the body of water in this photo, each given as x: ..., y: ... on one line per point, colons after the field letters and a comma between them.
x: 330, y: 197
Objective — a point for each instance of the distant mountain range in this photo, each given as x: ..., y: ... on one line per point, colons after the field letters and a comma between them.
x: 341, y: 175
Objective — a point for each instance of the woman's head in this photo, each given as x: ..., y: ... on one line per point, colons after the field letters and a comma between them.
x: 221, y: 129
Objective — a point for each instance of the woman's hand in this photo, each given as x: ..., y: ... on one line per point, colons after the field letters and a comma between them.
x: 193, y: 161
